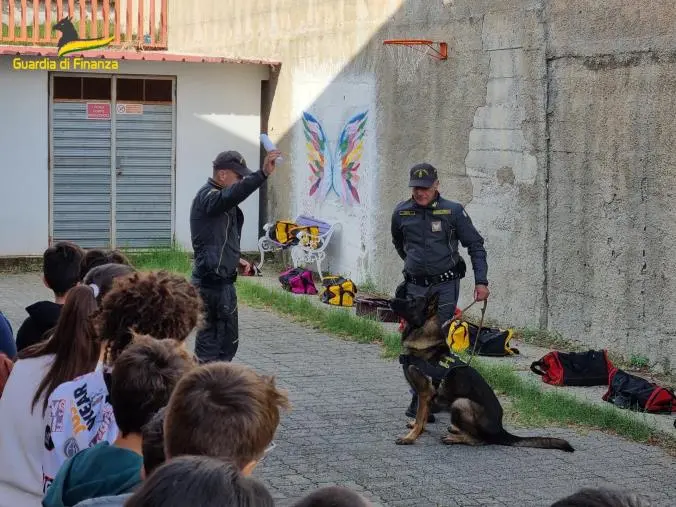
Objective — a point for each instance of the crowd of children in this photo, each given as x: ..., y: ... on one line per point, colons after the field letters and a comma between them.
x: 101, y: 404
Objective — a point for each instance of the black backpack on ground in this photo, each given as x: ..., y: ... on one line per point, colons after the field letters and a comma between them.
x: 591, y: 368
x: 636, y: 393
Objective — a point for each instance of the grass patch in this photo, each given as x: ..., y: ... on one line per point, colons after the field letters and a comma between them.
x: 639, y: 362
x: 335, y: 321
x: 171, y: 259
x: 546, y: 338
x: 528, y: 403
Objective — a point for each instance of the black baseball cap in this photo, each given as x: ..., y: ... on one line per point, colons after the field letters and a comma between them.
x: 232, y: 160
x: 422, y: 175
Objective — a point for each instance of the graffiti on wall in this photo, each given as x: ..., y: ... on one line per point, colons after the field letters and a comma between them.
x: 335, y: 166
x: 334, y: 169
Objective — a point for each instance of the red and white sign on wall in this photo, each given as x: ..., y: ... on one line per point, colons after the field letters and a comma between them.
x: 98, y: 110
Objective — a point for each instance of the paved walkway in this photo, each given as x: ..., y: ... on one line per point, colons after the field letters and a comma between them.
x: 520, y: 363
x: 348, y: 410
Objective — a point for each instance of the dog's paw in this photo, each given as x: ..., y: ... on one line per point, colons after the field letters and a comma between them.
x: 448, y: 440
x: 411, y: 424
x: 403, y: 441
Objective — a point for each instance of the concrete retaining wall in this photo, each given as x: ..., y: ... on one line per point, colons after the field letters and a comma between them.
x: 551, y: 121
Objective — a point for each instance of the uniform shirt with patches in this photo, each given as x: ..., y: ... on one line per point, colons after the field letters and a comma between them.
x: 79, y: 415
x: 426, y: 238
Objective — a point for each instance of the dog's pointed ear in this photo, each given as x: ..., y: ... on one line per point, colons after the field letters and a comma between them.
x: 432, y: 305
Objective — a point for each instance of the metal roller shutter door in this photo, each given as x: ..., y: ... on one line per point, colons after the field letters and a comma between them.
x: 144, y: 190
x: 81, y: 179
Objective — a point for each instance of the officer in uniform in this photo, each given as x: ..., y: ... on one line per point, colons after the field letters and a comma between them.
x: 425, y: 231
x: 216, y: 226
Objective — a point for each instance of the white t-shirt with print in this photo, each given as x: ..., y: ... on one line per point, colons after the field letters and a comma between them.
x: 21, y: 434
x: 79, y: 416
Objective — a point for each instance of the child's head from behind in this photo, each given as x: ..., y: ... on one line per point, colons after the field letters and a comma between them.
x: 97, y: 257
x: 223, y: 410
x: 153, y: 443
x: 200, y: 481
x: 61, y: 267
x: 603, y: 497
x: 103, y: 276
x: 159, y: 304
x: 143, y: 378
x: 333, y: 496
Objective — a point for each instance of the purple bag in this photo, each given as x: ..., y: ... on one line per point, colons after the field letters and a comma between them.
x: 298, y: 281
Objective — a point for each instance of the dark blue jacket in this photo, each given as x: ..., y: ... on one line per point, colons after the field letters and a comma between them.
x: 42, y: 317
x: 426, y: 238
x: 216, y: 227
x: 7, y: 344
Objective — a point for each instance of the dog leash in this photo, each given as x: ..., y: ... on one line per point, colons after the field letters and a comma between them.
x: 481, y: 323
x: 468, y: 307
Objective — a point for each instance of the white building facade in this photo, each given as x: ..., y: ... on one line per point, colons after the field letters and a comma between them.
x: 113, y: 157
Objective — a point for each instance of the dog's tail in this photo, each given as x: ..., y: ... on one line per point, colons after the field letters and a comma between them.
x: 539, y: 442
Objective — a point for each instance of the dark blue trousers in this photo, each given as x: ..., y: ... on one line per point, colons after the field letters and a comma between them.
x: 218, y: 339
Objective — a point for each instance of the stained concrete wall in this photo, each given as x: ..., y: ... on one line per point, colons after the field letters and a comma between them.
x: 612, y: 225
x: 316, y: 40
x: 542, y: 113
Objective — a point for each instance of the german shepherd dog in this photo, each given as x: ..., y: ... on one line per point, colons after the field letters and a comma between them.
x: 476, y: 413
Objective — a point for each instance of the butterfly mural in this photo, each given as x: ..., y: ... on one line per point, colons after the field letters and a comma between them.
x: 335, y: 168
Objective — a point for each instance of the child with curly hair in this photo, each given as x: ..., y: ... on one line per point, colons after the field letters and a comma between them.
x: 158, y: 304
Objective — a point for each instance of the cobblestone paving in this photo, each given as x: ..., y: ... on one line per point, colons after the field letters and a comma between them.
x: 348, y: 409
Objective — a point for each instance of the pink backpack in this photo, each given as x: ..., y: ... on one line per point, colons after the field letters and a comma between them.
x: 298, y: 281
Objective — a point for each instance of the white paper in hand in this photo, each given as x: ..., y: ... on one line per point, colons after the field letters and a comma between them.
x: 270, y: 146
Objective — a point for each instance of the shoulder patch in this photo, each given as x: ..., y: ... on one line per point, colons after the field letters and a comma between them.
x: 442, y: 212
x: 407, y: 213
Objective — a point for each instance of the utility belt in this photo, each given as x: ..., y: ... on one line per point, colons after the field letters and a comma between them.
x: 458, y: 271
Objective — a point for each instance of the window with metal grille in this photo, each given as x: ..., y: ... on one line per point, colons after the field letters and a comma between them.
x: 158, y: 91
x: 82, y: 88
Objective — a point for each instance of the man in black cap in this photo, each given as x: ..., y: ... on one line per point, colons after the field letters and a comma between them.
x: 215, y: 227
x: 425, y: 231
